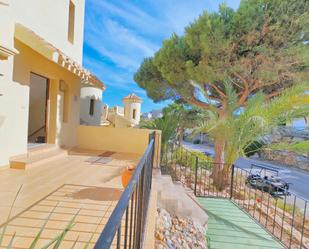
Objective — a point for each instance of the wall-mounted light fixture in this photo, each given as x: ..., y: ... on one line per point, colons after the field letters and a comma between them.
x: 62, y: 85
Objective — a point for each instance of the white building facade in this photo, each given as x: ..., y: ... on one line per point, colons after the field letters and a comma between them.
x: 91, y: 105
x: 41, y: 48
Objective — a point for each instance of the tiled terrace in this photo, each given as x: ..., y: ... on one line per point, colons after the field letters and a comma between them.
x: 86, y: 183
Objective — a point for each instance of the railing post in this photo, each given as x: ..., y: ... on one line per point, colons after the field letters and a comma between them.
x: 195, y: 177
x: 139, y: 220
x: 152, y: 158
x: 232, y: 182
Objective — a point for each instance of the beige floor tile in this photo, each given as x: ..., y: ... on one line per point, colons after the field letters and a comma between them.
x: 72, y: 184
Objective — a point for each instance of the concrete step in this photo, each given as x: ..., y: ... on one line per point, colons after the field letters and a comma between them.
x: 36, y: 156
x: 164, y: 182
x: 178, y: 200
x: 41, y: 149
x: 172, y: 203
x: 168, y: 196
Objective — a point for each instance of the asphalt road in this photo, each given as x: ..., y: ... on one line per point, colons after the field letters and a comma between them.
x: 299, y: 179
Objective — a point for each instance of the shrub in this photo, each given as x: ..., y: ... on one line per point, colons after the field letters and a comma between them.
x: 188, y: 158
x: 298, y: 147
x: 252, y: 148
x: 288, y: 207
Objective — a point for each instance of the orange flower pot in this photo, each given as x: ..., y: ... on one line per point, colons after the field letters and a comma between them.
x: 126, y: 176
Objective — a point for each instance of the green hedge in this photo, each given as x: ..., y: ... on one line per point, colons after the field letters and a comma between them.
x: 298, y: 147
x: 188, y: 158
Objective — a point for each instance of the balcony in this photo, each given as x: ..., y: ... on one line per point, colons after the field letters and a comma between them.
x: 61, y: 185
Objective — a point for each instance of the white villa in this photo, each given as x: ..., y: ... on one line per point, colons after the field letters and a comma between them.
x: 123, y: 117
x: 46, y: 96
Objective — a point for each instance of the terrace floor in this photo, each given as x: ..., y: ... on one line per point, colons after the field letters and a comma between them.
x: 85, y: 185
x: 229, y: 227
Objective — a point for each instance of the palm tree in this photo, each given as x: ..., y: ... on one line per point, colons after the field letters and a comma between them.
x: 176, y: 118
x: 187, y: 117
x: 241, y: 127
x: 167, y: 124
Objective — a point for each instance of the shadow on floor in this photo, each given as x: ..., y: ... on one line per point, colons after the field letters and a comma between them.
x: 97, y: 194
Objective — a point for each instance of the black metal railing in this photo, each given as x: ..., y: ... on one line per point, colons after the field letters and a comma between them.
x: 284, y: 214
x: 126, y: 225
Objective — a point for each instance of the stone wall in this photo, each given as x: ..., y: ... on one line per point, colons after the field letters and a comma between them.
x: 288, y: 158
x: 287, y: 134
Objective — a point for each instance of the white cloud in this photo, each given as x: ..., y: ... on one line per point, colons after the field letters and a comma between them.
x: 122, y: 33
x: 129, y: 38
x: 122, y: 46
x: 131, y: 15
x: 112, y: 78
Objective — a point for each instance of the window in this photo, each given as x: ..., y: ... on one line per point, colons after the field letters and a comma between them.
x: 71, y: 22
x: 91, y: 108
x: 134, y: 113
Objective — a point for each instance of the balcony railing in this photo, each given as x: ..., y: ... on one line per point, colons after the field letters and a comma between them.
x: 281, y: 212
x: 126, y: 225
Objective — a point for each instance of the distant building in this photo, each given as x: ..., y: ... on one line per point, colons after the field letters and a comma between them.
x: 121, y: 117
x: 153, y: 114
x: 147, y: 115
x: 157, y: 113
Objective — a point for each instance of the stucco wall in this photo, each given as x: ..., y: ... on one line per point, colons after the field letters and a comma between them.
x: 6, y: 25
x: 121, y: 122
x: 13, y: 112
x: 49, y: 20
x: 128, y: 111
x: 14, y: 101
x: 86, y: 94
x: 129, y: 140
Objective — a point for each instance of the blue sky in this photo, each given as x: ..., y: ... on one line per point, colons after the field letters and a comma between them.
x: 120, y: 33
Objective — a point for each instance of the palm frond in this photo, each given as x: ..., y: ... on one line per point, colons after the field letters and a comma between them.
x: 59, y: 239
x: 38, y: 236
x: 256, y: 120
x: 10, y: 245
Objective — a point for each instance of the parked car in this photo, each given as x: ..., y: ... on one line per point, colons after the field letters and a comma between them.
x: 270, y: 184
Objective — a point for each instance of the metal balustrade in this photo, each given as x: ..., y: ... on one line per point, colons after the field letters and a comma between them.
x: 126, y: 225
x: 281, y: 212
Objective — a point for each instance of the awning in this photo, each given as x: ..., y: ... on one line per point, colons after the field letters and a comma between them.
x: 54, y: 54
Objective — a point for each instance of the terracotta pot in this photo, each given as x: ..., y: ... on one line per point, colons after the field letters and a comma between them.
x: 126, y: 176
